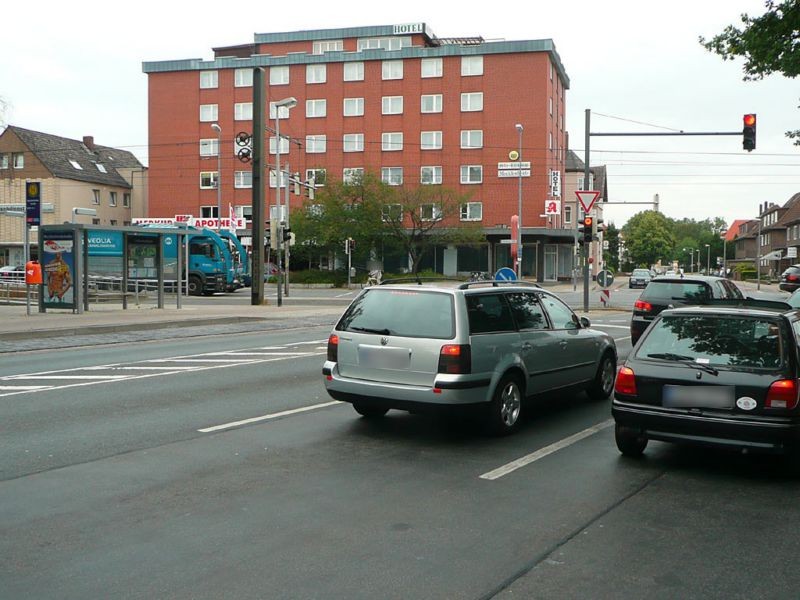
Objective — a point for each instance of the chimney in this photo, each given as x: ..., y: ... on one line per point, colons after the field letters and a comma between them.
x: 88, y: 141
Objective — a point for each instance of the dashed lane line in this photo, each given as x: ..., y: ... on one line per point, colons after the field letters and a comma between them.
x: 268, y: 417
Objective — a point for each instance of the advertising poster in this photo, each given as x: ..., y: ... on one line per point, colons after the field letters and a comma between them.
x: 58, y: 270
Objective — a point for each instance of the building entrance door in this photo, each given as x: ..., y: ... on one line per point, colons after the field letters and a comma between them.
x: 550, y: 262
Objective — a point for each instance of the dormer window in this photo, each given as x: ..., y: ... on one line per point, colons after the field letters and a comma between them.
x: 101, y: 168
x: 76, y: 165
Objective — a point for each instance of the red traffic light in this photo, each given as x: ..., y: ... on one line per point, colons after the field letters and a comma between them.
x: 749, y: 120
x: 588, y: 221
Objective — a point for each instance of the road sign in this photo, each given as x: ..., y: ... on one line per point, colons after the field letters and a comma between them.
x: 605, y: 278
x: 505, y: 274
x: 514, y: 173
x: 33, y: 203
x: 587, y: 198
x: 552, y: 207
x: 503, y: 166
x: 791, y: 252
x: 555, y: 183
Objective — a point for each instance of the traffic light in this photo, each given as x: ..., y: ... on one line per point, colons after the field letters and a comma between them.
x: 296, y: 182
x: 287, y: 234
x: 588, y: 226
x: 749, y: 132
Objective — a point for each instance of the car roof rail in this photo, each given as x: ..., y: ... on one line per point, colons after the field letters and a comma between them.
x: 749, y: 302
x: 497, y: 283
x: 417, y: 280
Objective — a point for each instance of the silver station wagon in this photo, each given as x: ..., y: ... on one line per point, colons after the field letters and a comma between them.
x: 486, y: 345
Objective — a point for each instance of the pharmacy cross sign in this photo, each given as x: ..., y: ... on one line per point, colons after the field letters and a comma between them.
x: 587, y: 198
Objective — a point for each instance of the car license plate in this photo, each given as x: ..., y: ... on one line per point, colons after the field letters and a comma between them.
x: 697, y: 396
x: 380, y: 357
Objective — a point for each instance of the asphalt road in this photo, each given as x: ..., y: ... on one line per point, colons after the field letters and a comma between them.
x: 218, y: 468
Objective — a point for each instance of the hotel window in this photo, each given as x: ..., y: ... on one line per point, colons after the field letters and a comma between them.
x: 284, y: 149
x: 392, y: 105
x: 392, y: 69
x: 388, y: 43
x: 391, y: 141
x: 316, y: 73
x: 471, y: 138
x: 472, y: 211
x: 430, y: 175
x: 243, y: 78
x: 126, y: 200
x: 242, y: 179
x: 430, y: 212
x: 328, y: 46
x: 430, y: 140
x: 354, y: 71
x: 112, y: 198
x: 209, y: 147
x: 243, y: 111
x: 353, y: 107
x: 471, y: 101
x: 209, y: 79
x: 317, y: 176
x: 353, y: 142
x: 208, y: 113
x: 471, y: 65
x: 279, y: 76
x: 392, y: 212
x: 567, y: 215
x: 283, y: 111
x: 95, y: 196
x: 352, y: 175
x: 392, y: 175
x: 431, y: 103
x: 316, y: 108
x: 471, y: 174
x: 316, y: 144
x: 273, y: 180
x: 431, y: 67
x: 208, y: 180
x: 4, y: 161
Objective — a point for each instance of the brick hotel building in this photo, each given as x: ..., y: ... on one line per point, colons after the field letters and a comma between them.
x: 394, y: 100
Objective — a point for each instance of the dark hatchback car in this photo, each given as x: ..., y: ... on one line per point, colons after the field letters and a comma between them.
x: 724, y: 375
x: 790, y: 279
x: 677, y: 290
x: 639, y: 278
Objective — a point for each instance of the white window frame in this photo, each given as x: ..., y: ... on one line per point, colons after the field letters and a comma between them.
x: 392, y: 141
x: 316, y: 108
x: 242, y: 180
x: 209, y: 147
x: 279, y: 75
x: 467, y: 172
x: 433, y: 101
x: 391, y: 69
x: 471, y: 139
x: 283, y: 111
x: 567, y: 215
x: 434, y: 209
x: 430, y: 140
x: 314, y: 174
x: 126, y: 199
x: 273, y: 179
x: 390, y: 44
x: 316, y: 144
x: 350, y: 174
x: 323, y: 46
x: 353, y: 142
x: 316, y: 73
x: 353, y: 71
x: 471, y: 101
x: 243, y: 78
x: 4, y: 160
x: 471, y: 66
x: 112, y: 198
x: 392, y: 175
x: 212, y: 177
x: 353, y: 107
x: 391, y: 212
x: 469, y: 208
x: 243, y: 111
x: 392, y: 105
x: 209, y: 80
x: 431, y: 67
x: 284, y: 147
x: 18, y: 160
x: 95, y: 196
x: 208, y: 113
x: 430, y: 175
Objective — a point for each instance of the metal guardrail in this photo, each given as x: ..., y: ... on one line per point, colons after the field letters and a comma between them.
x: 101, y: 289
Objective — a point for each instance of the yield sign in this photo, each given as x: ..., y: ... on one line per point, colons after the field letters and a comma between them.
x: 587, y: 198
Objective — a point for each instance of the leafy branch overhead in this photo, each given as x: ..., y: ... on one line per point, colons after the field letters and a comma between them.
x: 769, y: 44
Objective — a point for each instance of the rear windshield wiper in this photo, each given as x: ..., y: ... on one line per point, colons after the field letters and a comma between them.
x: 383, y: 331
x: 685, y: 359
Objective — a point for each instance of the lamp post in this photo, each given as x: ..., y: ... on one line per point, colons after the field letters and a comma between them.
x: 691, y: 257
x: 218, y: 129
x: 708, y: 259
x: 287, y: 103
x: 519, y: 203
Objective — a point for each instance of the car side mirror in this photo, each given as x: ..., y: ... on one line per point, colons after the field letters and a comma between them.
x: 585, y: 323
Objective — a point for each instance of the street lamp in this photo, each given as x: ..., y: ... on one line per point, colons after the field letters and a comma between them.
x: 519, y: 203
x: 218, y: 129
x: 691, y: 257
x: 708, y: 260
x: 288, y: 104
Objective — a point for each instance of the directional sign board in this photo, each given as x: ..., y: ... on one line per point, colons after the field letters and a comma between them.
x: 505, y: 274
x: 587, y: 198
x: 33, y: 203
x: 605, y: 278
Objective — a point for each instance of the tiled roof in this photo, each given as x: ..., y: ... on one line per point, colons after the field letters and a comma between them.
x: 733, y: 230
x: 573, y: 163
x: 58, y: 154
x: 792, y: 214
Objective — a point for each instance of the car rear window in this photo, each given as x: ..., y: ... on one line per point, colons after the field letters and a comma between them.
x: 670, y: 291
x: 640, y: 273
x: 728, y: 341
x: 404, y: 313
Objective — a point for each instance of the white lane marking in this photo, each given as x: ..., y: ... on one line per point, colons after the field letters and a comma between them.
x: 23, y: 387
x: 627, y: 337
x: 542, y: 452
x: 284, y: 413
x: 23, y: 377
x: 611, y: 326
x: 325, y: 341
x: 172, y: 368
x: 343, y: 295
x: 240, y: 361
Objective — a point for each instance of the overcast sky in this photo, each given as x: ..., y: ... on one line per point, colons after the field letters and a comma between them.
x: 75, y: 69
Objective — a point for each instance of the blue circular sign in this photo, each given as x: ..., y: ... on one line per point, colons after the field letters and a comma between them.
x: 505, y: 274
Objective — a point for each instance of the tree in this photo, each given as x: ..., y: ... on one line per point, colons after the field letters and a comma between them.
x: 648, y: 238
x: 611, y: 256
x: 769, y: 44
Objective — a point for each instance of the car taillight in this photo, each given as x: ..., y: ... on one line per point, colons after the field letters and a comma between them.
x: 642, y: 305
x: 626, y: 382
x: 792, y: 277
x: 455, y: 359
x: 782, y: 394
x: 333, y: 347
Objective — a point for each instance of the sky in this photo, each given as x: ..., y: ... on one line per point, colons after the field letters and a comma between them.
x: 75, y: 69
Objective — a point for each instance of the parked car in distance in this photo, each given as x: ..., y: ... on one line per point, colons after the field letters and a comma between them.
x: 640, y: 278
x: 482, y: 345
x: 790, y: 279
x: 670, y: 291
x: 13, y: 272
x: 722, y: 375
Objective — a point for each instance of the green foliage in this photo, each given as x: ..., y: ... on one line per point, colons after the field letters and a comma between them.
x: 768, y: 44
x: 648, y: 238
x: 611, y: 256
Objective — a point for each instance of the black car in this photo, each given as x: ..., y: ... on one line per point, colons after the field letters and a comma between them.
x: 677, y: 290
x: 790, y: 279
x: 639, y: 278
x: 724, y: 376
